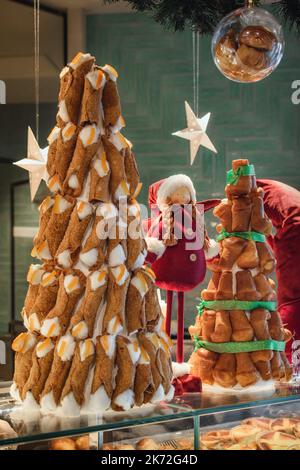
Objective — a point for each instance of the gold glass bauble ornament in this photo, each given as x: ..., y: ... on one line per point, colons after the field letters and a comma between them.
x: 248, y: 44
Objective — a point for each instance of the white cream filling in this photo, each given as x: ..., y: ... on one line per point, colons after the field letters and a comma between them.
x: 73, y: 182
x: 30, y: 403
x: 43, y: 348
x: 117, y: 256
x: 89, y: 135
x: 125, y: 400
x: 65, y: 347
x: 14, y: 392
x: 98, y: 401
x: 159, y: 395
x: 66, y: 134
x: 69, y: 406
x: 79, y: 59
x: 82, y: 267
x: 86, y: 349
x: 64, y: 71
x: 113, y: 327
x: 62, y: 205
x: 140, y: 284
x: 140, y: 260
x: 64, y: 259
x: 54, y: 186
x: 63, y: 112
x: 35, y: 274
x: 101, y: 168
x: 53, y: 136
x: 111, y: 72
x: 134, y: 352
x: 98, y: 279
x: 108, y: 343
x: 44, y: 253
x: 121, y: 191
x: 50, y: 327
x: 84, y: 209
x: 80, y: 331
x: 118, y: 126
x: 93, y: 79
x: 89, y: 257
x: 85, y: 194
x: 48, y: 279
x: 71, y: 283
x: 48, y: 404
x: 116, y: 273
x: 107, y: 210
x: 33, y: 322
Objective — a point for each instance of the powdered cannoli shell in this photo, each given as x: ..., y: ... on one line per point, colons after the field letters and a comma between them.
x: 263, y: 367
x: 224, y: 291
x: 118, y: 184
x: 223, y: 330
x: 83, y: 320
x: 244, y: 184
x: 44, y: 301
x: 223, y: 212
x: 135, y: 303
x: 110, y: 98
x: 241, y: 214
x: 202, y: 365
x: 41, y: 365
x: 66, y: 143
x: 23, y: 345
x: 82, y: 361
x: 125, y: 376
x: 245, y: 286
x: 45, y: 209
x: 211, y: 291
x: 118, y: 283
x: 51, y: 157
x: 69, y: 247
x: 71, y: 286
x: 71, y: 87
x: 132, y: 172
x: 224, y: 372
x: 277, y: 366
x: 275, y: 326
x: 104, y: 368
x: 259, y: 221
x: 249, y: 257
x: 267, y: 260
x: 264, y: 287
x: 99, y: 177
x: 246, y: 373
x: 241, y: 328
x: 59, y: 372
x: 208, y: 321
x: 88, y: 143
x: 90, y: 108
x: 58, y: 223
x: 231, y: 249
x: 259, y: 321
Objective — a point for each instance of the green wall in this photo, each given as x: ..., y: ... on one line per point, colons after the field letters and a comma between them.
x: 256, y: 121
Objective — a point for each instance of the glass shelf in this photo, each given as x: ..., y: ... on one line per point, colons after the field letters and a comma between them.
x: 32, y: 427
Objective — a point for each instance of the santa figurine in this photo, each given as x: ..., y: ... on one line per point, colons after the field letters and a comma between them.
x: 177, y: 243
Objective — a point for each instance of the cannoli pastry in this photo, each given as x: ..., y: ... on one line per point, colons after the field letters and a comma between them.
x: 135, y: 302
x: 56, y: 227
x: 63, y: 354
x: 51, y: 157
x: 45, y: 210
x: 259, y: 221
x: 83, y: 320
x: 249, y: 257
x: 263, y: 367
x: 152, y: 306
x: 70, y: 289
x: 275, y: 326
x: 277, y: 366
x: 143, y: 382
x: 259, y: 321
x: 164, y: 361
x: 73, y: 396
x: 223, y: 330
x: 99, y: 177
x: 208, y: 322
x: 231, y: 249
x: 66, y: 143
x: 135, y: 241
x: 119, y: 187
x: 132, y: 173
x: 241, y: 214
x: 224, y: 372
x: 264, y: 287
x: 87, y: 144
x: 71, y: 88
x: 223, y: 212
x: 246, y: 373
x: 44, y: 301
x: 244, y: 184
x: 245, y: 287
x: 202, y: 365
x: 211, y: 291
x: 111, y: 101
x: 93, y: 250
x: 242, y: 329
x: 128, y: 354
x: 156, y: 391
x: 267, y: 260
x: 118, y: 282
x: 287, y: 366
x: 23, y: 345
x: 195, y: 330
x: 102, y: 384
x: 34, y: 277
x: 42, y: 359
x: 117, y: 247
x: 93, y: 87
x: 79, y: 221
x: 225, y: 286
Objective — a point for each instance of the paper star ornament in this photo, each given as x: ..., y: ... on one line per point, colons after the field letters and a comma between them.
x: 196, y: 132
x: 35, y: 163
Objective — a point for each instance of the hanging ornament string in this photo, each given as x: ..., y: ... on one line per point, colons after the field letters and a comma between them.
x: 36, y: 10
x: 196, y: 71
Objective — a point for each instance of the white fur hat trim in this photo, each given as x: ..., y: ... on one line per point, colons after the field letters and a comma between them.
x: 171, y: 184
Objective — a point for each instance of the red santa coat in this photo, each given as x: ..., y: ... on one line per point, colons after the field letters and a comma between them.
x: 183, y: 266
x: 282, y: 206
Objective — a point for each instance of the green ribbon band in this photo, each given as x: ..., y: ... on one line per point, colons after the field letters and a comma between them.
x: 235, y: 305
x: 254, y: 236
x: 239, y: 347
x: 234, y: 175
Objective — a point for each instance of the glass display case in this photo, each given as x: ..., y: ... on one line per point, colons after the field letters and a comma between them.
x: 203, y: 421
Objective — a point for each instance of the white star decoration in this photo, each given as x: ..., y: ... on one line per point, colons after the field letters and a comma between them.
x: 35, y: 163
x: 196, y: 132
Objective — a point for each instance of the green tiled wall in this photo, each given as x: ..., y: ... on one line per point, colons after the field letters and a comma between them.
x: 258, y: 121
